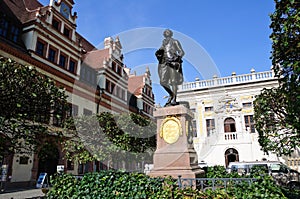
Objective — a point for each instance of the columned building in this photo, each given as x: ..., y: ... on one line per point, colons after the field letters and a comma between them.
x: 223, y: 109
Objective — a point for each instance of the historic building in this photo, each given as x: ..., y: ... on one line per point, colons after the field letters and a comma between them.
x: 223, y: 125
x: 95, y: 80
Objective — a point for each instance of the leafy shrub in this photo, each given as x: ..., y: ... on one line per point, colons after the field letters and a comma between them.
x: 111, y: 184
x: 119, y: 184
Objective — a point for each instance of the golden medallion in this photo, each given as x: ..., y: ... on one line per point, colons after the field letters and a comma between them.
x: 170, y: 130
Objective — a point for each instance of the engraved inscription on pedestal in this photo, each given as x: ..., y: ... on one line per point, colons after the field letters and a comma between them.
x: 170, y: 130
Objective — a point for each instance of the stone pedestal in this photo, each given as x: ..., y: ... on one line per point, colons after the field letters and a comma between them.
x: 175, y: 154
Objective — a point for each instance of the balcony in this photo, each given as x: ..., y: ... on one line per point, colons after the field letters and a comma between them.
x: 231, y: 136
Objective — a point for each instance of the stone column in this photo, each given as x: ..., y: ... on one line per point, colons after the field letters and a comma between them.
x: 175, y: 154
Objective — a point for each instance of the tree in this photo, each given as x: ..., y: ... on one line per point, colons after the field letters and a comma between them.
x: 29, y: 100
x: 277, y: 110
x: 110, y: 137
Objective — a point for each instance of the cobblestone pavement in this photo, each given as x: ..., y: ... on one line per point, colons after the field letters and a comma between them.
x: 25, y: 194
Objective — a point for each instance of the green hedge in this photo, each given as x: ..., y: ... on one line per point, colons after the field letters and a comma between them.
x: 109, y: 184
x: 118, y: 184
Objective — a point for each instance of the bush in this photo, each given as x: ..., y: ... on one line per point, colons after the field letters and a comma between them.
x: 111, y: 184
x: 119, y: 184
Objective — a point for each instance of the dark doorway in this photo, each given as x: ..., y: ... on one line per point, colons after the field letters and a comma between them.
x: 231, y: 155
x: 48, y: 159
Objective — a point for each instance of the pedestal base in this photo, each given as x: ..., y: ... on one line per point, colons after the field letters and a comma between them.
x: 177, y: 157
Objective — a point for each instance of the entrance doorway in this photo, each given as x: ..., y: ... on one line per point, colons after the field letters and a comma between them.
x: 48, y: 159
x: 231, y: 155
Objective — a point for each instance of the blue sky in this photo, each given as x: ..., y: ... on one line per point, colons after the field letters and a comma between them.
x: 234, y: 33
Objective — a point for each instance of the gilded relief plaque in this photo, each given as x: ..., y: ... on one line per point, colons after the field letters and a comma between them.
x: 170, y: 130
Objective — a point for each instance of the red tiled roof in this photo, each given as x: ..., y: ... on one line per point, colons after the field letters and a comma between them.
x: 32, y: 4
x: 136, y: 84
x: 95, y: 58
x: 25, y: 10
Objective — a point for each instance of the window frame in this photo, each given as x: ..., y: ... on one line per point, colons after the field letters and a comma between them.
x: 44, y: 49
x: 249, y: 122
x: 58, y: 24
x: 65, y: 60
x: 51, y: 48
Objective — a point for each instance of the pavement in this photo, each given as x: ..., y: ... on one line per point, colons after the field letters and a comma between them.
x: 23, y: 194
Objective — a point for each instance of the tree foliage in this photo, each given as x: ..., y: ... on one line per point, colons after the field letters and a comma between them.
x: 277, y: 110
x: 111, y: 137
x: 28, y: 100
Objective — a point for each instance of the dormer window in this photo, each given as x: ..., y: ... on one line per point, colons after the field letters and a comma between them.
x: 67, y: 32
x: 119, y: 70
x: 56, y: 24
x: 113, y: 66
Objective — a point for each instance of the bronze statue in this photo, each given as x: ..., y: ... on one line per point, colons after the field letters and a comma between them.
x: 170, y: 56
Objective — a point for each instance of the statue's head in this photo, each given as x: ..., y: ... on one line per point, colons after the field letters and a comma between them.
x: 168, y: 33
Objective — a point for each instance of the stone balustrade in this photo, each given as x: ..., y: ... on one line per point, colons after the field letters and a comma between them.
x: 230, y: 80
x: 231, y: 136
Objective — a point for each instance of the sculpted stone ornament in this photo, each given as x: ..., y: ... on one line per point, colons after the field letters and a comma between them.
x: 169, y: 56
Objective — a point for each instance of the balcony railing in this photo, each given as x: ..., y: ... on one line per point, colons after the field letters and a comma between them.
x: 231, y: 136
x: 222, y: 81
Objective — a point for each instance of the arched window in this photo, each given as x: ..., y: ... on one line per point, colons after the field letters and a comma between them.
x: 231, y: 155
x: 229, y: 125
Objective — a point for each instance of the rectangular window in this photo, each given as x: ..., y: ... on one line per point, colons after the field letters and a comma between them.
x: 210, y: 126
x: 194, y: 128
x: 87, y: 112
x: 70, y: 165
x: 67, y: 32
x: 119, y: 92
x: 73, y: 110
x: 56, y: 24
x: 40, y: 48
x: 119, y: 70
x: 80, y: 168
x: 3, y: 27
x: 123, y: 94
x: 114, y: 66
x: 247, y: 105
x: 62, y: 61
x: 107, y: 86
x: 72, y: 66
x: 52, y: 55
x: 209, y: 108
x: 14, y: 33
x: 112, y: 88
x: 249, y: 123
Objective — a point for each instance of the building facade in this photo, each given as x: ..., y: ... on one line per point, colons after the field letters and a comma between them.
x: 95, y: 80
x: 223, y: 126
